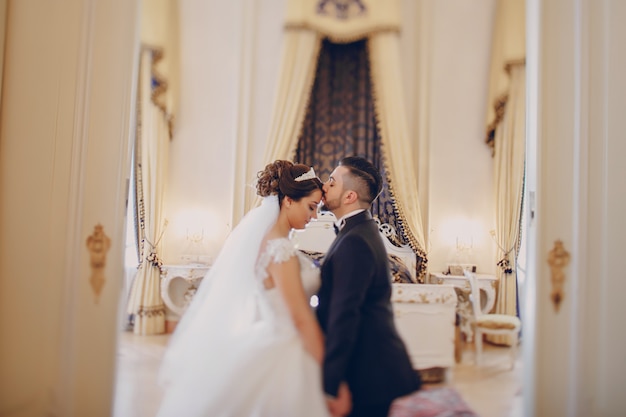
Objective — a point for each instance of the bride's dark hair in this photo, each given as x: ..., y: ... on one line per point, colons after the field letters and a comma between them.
x: 279, y: 178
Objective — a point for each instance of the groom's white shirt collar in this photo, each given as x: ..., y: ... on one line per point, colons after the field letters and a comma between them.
x: 342, y: 221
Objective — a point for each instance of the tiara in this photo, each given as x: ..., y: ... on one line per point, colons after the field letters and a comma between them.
x: 309, y: 175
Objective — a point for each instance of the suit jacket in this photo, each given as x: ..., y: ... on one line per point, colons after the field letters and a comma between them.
x: 363, y: 346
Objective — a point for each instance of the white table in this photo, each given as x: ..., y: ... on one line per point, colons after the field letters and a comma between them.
x: 486, y: 283
x: 179, y: 284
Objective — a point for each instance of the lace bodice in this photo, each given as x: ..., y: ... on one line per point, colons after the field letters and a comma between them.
x: 272, y: 306
x: 281, y: 250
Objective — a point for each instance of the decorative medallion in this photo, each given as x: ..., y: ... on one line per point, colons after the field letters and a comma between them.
x: 558, y: 259
x: 98, y: 245
x: 342, y: 9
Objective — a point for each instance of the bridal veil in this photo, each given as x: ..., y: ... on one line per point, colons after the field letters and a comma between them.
x: 223, y: 311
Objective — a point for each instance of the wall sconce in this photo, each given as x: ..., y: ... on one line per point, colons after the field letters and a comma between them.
x: 464, y: 243
x: 196, y: 251
x: 198, y: 234
x: 195, y: 237
x: 462, y: 255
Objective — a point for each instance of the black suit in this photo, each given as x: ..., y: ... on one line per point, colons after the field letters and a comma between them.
x: 363, y: 347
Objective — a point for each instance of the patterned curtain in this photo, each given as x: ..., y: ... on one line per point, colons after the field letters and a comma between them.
x: 341, y: 121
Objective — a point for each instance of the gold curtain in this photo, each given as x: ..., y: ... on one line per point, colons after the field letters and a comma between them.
x: 159, y: 30
x: 151, y: 156
x: 509, y: 159
x: 508, y: 46
x: 506, y: 135
x: 307, y: 22
x: 384, y: 54
x: 157, y: 101
x: 296, y: 78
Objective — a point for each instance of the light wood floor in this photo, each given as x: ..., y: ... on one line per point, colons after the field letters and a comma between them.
x: 491, y: 390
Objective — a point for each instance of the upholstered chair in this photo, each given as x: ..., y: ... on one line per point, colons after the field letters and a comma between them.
x: 499, y: 324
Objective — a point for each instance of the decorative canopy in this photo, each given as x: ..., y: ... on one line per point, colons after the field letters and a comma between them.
x: 344, y: 21
x: 308, y: 22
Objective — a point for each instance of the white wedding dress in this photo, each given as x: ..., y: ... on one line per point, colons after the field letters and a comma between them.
x: 263, y: 371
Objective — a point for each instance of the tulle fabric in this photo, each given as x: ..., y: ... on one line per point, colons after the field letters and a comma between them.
x: 222, y: 359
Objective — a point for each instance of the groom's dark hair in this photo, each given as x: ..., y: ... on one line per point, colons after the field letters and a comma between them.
x: 367, y: 178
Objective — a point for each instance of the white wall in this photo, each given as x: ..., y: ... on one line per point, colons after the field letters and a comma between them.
x: 461, y: 199
x: 230, y: 56
x: 231, y: 53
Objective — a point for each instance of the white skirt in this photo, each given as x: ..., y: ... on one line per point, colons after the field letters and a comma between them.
x: 267, y: 374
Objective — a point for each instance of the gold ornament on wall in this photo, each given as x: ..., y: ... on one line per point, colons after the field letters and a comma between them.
x: 558, y: 259
x: 98, y: 245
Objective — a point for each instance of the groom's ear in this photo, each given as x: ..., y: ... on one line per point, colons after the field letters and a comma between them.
x: 351, y: 197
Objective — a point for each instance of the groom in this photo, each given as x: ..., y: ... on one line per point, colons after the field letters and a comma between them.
x: 366, y: 365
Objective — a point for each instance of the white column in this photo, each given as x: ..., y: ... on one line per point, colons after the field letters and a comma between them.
x: 64, y: 160
x: 575, y: 353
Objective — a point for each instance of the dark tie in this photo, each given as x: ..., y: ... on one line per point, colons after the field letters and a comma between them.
x: 336, y: 228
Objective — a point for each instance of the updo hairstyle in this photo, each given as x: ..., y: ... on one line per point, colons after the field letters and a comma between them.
x: 278, y: 178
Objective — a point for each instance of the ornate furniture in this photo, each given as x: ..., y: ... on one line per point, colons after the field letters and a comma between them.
x: 319, y: 234
x: 500, y: 324
x: 179, y: 284
x: 424, y: 313
x: 487, y: 289
x: 486, y: 284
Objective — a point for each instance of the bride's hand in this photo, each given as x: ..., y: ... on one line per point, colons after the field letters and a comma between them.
x: 342, y: 405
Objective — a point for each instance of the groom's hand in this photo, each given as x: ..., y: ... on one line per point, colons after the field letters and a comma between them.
x: 342, y: 404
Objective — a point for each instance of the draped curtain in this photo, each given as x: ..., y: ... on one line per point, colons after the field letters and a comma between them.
x: 346, y: 22
x: 157, y: 101
x: 506, y: 134
x: 384, y: 52
x: 508, y: 46
x: 510, y: 145
x: 297, y: 72
x: 341, y: 120
x: 151, y: 159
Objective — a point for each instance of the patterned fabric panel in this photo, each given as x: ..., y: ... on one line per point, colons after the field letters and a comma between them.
x: 399, y: 271
x: 341, y: 121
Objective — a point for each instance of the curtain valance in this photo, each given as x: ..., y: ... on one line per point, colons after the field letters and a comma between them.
x: 344, y: 21
x: 508, y: 48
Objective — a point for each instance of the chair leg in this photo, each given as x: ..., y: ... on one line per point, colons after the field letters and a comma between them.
x: 458, y: 345
x: 478, y: 336
x: 513, y: 350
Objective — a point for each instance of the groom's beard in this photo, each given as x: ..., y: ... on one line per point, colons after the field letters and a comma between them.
x: 329, y: 206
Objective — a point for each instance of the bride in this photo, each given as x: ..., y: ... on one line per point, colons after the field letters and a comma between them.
x: 249, y: 344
